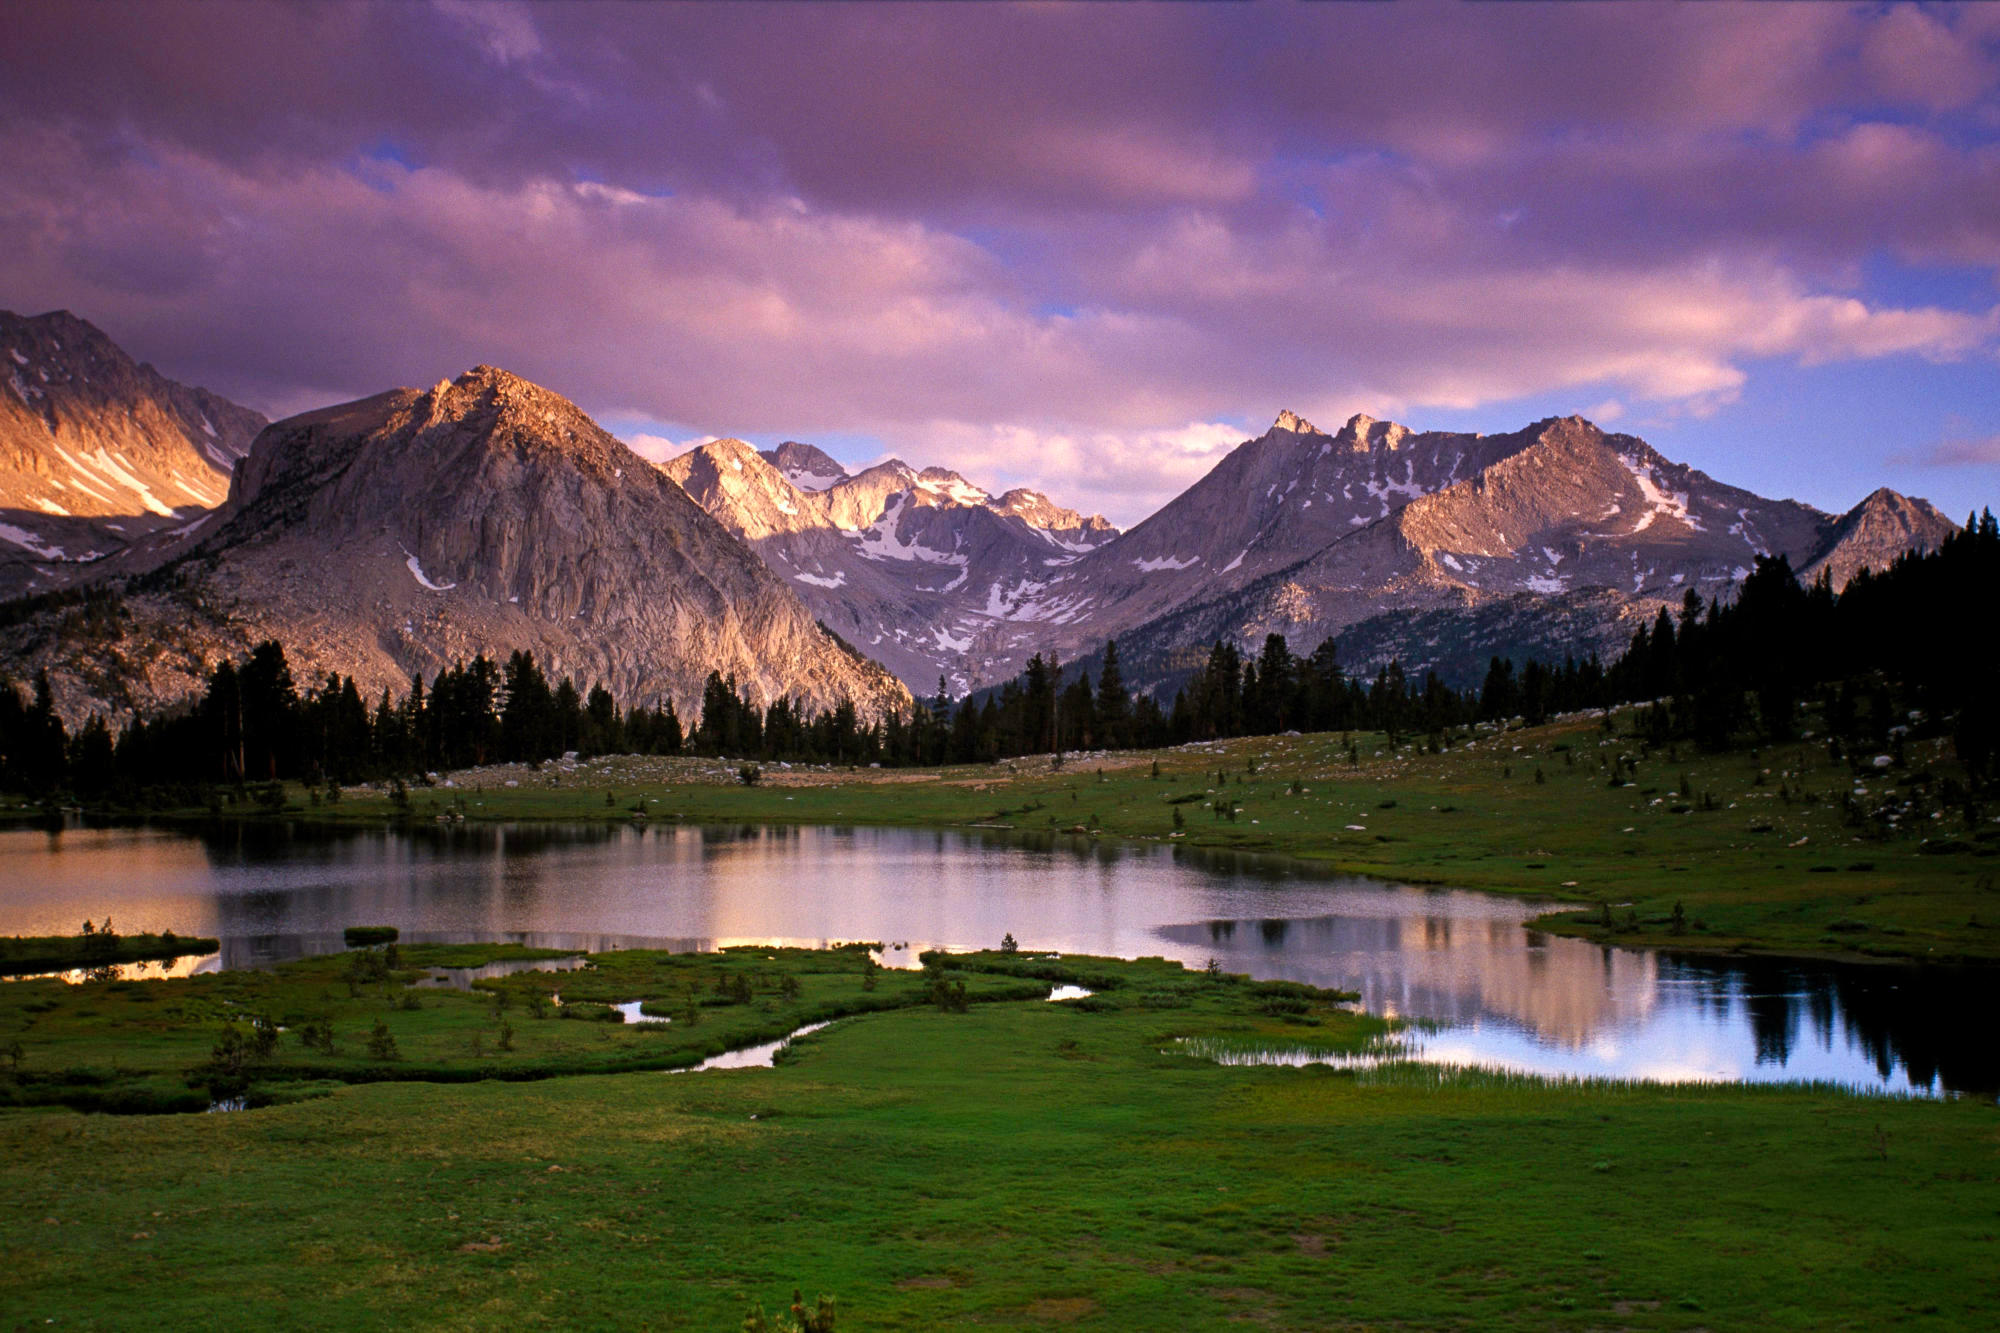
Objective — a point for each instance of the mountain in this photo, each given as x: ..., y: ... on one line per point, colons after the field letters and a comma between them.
x: 402, y: 532
x: 1436, y: 546
x: 919, y: 569
x: 1873, y: 533
x: 1553, y: 539
x: 97, y: 451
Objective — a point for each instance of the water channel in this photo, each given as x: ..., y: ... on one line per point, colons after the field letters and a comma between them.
x: 1484, y: 989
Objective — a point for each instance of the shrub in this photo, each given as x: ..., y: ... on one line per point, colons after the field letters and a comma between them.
x: 948, y: 996
x: 381, y: 1044
x: 367, y: 937
x: 819, y: 1319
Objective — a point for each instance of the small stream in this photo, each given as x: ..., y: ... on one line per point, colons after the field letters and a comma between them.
x: 762, y: 1056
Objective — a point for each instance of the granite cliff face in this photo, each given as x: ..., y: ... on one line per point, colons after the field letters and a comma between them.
x: 99, y: 453
x: 403, y: 532
x: 913, y: 567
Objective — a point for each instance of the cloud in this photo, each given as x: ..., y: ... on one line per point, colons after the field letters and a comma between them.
x: 658, y: 448
x: 1124, y: 474
x: 1959, y: 446
x: 1086, y: 248
x: 505, y: 31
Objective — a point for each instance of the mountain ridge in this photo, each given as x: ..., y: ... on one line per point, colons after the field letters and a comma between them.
x: 99, y: 453
x: 503, y: 510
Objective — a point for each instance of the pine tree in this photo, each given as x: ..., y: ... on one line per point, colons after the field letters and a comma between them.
x: 1114, y: 706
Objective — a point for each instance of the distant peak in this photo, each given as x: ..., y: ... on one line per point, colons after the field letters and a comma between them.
x: 1364, y: 432
x: 1296, y: 424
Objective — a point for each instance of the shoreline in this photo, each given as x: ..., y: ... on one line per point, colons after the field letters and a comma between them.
x: 1762, y: 863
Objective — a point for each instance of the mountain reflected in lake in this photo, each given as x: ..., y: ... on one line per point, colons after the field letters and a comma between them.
x: 1485, y: 989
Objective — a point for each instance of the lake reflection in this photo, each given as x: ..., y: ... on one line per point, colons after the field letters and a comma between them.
x: 1491, y: 991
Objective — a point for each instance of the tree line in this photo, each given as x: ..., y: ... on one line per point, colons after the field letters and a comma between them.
x: 1893, y: 643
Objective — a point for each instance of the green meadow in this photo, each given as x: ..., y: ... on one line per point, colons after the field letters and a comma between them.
x: 1010, y: 1162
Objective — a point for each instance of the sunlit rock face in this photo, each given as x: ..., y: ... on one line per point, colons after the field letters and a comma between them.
x: 922, y: 570
x: 403, y: 532
x: 99, y: 453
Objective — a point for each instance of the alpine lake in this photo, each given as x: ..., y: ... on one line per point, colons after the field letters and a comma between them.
x: 1464, y: 978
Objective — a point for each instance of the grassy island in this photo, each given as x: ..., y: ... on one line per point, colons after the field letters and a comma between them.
x: 22, y: 954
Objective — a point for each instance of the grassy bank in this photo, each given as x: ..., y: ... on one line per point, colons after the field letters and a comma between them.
x: 1782, y: 850
x: 1021, y: 1164
x: 58, y: 953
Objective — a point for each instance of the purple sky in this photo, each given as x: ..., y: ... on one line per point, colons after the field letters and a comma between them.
x: 1085, y: 247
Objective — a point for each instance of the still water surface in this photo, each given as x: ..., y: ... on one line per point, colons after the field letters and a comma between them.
x: 1490, y: 991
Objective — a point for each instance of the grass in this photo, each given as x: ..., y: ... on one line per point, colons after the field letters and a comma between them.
x: 139, y: 1046
x: 1021, y: 1165
x: 1757, y: 847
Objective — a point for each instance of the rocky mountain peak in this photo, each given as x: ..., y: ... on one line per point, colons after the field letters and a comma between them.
x: 1296, y: 424
x: 806, y: 467
x: 948, y: 486
x: 411, y: 529
x: 1363, y: 432
x: 99, y: 452
x: 1873, y: 533
x: 1569, y: 428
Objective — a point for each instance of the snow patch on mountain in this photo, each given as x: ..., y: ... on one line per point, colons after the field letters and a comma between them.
x: 417, y: 570
x: 31, y: 543
x: 881, y: 541
x: 1660, y: 503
